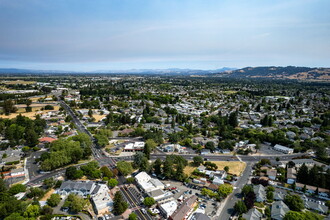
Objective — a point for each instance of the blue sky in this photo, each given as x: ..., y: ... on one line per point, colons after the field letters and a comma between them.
x: 87, y: 35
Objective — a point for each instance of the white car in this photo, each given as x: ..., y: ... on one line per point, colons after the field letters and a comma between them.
x: 144, y: 211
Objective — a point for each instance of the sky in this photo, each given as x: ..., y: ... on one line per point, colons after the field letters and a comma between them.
x: 85, y: 35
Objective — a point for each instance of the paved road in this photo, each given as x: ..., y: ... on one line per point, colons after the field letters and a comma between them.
x: 31, y: 164
x: 229, y: 203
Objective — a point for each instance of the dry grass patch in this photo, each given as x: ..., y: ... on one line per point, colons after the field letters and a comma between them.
x: 235, y: 167
x: 189, y: 169
x: 47, y: 195
x: 32, y: 115
x: 98, y: 117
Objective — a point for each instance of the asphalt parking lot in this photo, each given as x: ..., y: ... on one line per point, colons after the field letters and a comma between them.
x: 268, y: 150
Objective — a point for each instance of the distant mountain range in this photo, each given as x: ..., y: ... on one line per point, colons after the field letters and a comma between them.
x: 270, y: 72
x: 273, y: 72
x: 171, y: 71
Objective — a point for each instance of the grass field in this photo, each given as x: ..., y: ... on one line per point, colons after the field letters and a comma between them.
x: 22, y: 82
x: 235, y: 167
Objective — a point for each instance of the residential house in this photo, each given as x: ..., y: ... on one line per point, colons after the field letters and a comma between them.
x: 279, y: 209
x: 252, y: 214
x: 271, y: 173
x: 318, y: 206
x: 260, y: 192
x: 46, y: 140
x: 279, y: 196
x: 291, y: 175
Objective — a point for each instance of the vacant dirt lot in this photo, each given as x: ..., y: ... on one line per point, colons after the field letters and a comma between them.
x: 235, y: 167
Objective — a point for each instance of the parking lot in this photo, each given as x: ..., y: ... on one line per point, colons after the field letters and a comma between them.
x: 209, y: 205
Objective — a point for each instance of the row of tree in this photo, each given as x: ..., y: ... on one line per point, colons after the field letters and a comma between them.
x: 22, y: 130
x: 314, y: 176
x: 66, y: 151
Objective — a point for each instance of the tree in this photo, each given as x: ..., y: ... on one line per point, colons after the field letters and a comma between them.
x: 119, y: 205
x: 144, y: 166
x: 302, y: 174
x: 124, y: 167
x: 137, y: 159
x: 249, y: 199
x: 54, y: 200
x: 9, y: 107
x: 232, y: 120
x: 91, y: 170
x: 267, y: 211
x: 158, y: 166
x: 49, y: 107
x: 148, y: 147
x: 73, y: 173
x: 15, y: 216
x: 198, y: 160
x: 17, y: 188
x: 240, y: 207
x: 292, y: 215
x: 112, y: 183
x: 270, y: 196
x: 149, y: 201
x: 31, y: 138
x: 168, y: 168
x: 102, y: 140
x: 49, y: 182
x: 226, y: 168
x: 294, y: 202
x: 35, y: 193
x: 32, y: 211
x: 106, y: 172
x: 46, y: 210
x: 132, y: 216
x: 224, y: 190
x: 246, y: 189
x: 210, y: 145
x: 90, y: 113
x: 179, y: 174
x: 3, y: 186
x: 75, y: 203
x: 130, y: 180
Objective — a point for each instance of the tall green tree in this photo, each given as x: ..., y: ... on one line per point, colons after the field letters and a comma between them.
x: 157, y: 166
x: 240, y: 207
x: 294, y: 202
x: 119, y: 204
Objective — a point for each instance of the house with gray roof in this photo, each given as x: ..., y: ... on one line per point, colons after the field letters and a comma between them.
x: 279, y: 196
x: 260, y: 192
x: 81, y: 188
x: 279, y: 209
x: 252, y: 214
